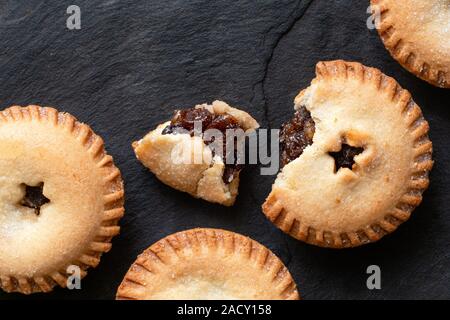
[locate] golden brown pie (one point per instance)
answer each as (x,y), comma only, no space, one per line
(203,173)
(61,198)
(356,158)
(417,34)
(207,264)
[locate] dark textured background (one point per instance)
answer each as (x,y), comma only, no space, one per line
(134,62)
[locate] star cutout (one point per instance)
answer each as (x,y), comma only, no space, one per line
(34,198)
(345,157)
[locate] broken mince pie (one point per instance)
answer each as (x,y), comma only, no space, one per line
(356,159)
(417,34)
(207,264)
(61,198)
(191,153)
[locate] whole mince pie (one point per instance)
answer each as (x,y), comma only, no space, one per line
(61,198)
(417,35)
(356,158)
(198,151)
(207,264)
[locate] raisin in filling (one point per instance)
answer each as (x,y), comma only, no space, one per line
(345,157)
(34,198)
(184,120)
(296,135)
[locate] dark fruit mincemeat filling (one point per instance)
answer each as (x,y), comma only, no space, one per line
(184,120)
(298,133)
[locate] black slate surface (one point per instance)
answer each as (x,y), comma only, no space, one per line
(133,62)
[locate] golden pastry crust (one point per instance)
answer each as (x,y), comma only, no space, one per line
(200,174)
(83,185)
(347,208)
(207,264)
(417,34)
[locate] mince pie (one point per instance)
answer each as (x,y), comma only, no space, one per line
(417,34)
(61,198)
(356,158)
(191,152)
(207,264)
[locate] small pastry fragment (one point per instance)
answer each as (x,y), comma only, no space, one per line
(190,153)
(417,34)
(61,198)
(207,264)
(356,158)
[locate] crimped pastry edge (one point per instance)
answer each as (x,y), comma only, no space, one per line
(408,59)
(207,239)
(418,128)
(113,198)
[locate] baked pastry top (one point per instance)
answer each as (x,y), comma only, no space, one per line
(60,198)
(207,264)
(203,174)
(417,34)
(362,165)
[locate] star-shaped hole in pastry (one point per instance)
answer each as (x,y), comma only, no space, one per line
(34,197)
(345,157)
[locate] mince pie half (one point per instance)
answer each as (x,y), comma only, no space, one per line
(356,158)
(61,198)
(417,34)
(191,152)
(207,264)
